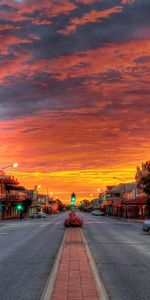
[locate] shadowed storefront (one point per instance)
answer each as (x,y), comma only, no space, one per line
(138,208)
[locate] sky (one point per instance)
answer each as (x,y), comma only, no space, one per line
(74,92)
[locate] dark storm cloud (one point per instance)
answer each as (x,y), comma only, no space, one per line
(143,59)
(22,93)
(111,76)
(51,43)
(29,95)
(6,8)
(117,28)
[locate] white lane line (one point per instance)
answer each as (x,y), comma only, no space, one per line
(25,224)
(103,222)
(95,222)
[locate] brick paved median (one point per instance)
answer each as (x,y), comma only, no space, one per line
(74,280)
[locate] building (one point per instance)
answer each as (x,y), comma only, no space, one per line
(95,203)
(124,201)
(13,197)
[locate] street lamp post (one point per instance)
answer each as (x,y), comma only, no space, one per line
(9,166)
(47,197)
(14,165)
(35,192)
(98,190)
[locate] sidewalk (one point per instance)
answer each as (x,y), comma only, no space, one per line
(74,280)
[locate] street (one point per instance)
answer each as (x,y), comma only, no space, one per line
(28,248)
(122,254)
(27,252)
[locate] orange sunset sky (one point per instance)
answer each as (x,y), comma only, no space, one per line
(74,92)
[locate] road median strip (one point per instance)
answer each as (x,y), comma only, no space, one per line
(74,274)
(47,292)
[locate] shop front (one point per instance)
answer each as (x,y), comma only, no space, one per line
(136,209)
(12,198)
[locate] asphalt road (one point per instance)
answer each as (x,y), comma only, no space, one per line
(27,252)
(122,254)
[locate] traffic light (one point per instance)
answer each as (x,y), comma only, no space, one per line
(19,207)
(73,198)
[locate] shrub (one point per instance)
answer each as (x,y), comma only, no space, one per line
(73,221)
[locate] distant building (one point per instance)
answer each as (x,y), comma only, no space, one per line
(95,203)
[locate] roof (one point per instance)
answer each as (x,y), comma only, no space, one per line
(109,187)
(12,199)
(124,187)
(137,201)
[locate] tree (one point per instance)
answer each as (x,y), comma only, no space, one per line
(143,177)
(145,182)
(84,205)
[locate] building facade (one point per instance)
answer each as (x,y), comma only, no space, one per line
(12,197)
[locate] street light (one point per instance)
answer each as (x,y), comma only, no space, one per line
(35,192)
(98,190)
(12,165)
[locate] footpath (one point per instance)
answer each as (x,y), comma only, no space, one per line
(74,279)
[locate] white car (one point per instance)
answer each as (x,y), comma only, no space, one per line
(146,226)
(38,215)
(97,213)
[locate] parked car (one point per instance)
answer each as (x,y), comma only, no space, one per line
(97,213)
(38,215)
(146,226)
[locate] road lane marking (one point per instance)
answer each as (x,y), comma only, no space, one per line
(108,223)
(25,224)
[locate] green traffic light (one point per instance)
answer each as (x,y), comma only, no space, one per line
(73,199)
(19,207)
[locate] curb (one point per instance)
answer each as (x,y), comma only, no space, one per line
(48,289)
(101,289)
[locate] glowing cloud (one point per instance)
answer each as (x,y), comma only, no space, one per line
(74,92)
